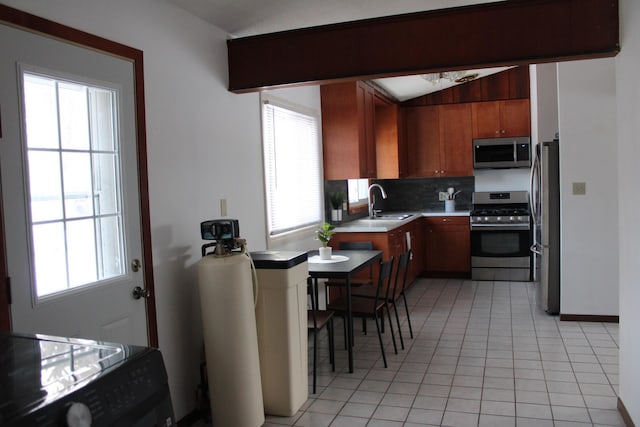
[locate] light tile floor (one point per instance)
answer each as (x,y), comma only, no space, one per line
(482,355)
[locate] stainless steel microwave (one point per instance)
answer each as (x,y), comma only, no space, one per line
(502,153)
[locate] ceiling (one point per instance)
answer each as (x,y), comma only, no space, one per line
(241,18)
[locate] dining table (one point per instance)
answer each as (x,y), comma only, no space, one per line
(343,265)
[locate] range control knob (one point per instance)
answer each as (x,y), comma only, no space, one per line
(78,415)
(512,218)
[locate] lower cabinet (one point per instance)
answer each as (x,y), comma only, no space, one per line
(392,243)
(447,245)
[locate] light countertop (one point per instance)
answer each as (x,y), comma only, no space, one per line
(388,223)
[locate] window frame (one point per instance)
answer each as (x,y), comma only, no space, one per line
(306,231)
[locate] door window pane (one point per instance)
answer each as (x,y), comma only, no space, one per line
(76,173)
(44,186)
(41,111)
(74,120)
(78,242)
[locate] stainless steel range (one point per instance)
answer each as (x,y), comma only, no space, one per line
(501,236)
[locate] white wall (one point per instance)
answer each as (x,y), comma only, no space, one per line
(588,153)
(203,145)
(627,66)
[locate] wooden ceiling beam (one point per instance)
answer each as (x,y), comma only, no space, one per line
(513,32)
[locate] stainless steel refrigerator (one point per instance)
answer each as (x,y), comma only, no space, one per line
(545,213)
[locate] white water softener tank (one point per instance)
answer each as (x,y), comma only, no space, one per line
(230,335)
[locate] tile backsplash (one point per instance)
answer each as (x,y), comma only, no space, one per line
(410,194)
(415,194)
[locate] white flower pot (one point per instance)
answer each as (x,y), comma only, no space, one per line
(336,215)
(325,253)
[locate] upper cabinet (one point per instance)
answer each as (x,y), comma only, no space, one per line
(348,130)
(438,140)
(504,118)
(390,152)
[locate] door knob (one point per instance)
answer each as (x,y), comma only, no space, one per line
(138,293)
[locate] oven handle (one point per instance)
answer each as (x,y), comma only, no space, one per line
(500,227)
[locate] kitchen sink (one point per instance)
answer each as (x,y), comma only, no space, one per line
(395,217)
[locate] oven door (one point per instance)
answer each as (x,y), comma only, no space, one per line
(501,253)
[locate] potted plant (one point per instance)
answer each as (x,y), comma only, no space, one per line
(336,200)
(324,234)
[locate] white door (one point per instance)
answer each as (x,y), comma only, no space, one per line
(68,170)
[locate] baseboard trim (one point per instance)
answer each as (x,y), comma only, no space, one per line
(189,419)
(625,414)
(589,318)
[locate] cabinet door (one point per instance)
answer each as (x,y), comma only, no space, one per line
(515,116)
(422,132)
(389,159)
(340,131)
(486,119)
(366,102)
(455,140)
(348,130)
(447,245)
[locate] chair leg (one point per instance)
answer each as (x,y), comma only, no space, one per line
(344,326)
(364,326)
(384,358)
(406,307)
(395,310)
(393,336)
(315,359)
(332,355)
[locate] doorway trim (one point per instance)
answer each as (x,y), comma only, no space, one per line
(19,19)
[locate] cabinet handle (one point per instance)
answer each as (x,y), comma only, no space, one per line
(503,131)
(445,220)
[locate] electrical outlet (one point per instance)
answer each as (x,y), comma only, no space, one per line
(443,195)
(579,188)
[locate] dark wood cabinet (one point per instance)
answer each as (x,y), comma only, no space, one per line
(392,243)
(456,154)
(505,118)
(438,140)
(390,153)
(447,245)
(422,133)
(348,130)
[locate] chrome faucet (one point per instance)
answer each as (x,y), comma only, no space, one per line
(371,199)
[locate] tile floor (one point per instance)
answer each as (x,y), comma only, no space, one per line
(482,355)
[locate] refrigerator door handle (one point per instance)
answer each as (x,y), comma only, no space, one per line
(535,250)
(534,173)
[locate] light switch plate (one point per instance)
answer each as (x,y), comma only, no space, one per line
(579,188)
(223,207)
(443,195)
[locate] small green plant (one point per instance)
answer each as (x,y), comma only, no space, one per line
(324,233)
(337,199)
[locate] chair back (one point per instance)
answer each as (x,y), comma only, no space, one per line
(366,246)
(386,272)
(401,274)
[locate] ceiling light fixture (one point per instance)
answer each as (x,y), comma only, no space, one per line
(449,76)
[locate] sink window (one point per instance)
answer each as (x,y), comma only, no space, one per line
(357,192)
(293,168)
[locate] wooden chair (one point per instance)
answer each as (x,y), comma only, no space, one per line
(370,308)
(316,321)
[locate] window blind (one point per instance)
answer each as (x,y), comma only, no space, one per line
(293,174)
